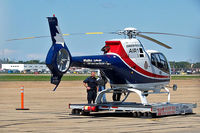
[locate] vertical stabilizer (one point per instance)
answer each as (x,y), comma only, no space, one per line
(58,59)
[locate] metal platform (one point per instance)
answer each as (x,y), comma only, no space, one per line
(137,109)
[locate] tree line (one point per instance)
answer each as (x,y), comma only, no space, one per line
(7,61)
(173,64)
(184,65)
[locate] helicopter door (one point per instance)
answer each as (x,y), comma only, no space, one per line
(153,62)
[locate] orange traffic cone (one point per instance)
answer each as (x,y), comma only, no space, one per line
(22,100)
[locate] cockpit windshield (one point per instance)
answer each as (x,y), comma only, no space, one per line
(159,61)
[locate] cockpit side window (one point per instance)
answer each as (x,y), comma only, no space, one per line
(159,61)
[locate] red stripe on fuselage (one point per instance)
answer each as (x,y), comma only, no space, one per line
(116,47)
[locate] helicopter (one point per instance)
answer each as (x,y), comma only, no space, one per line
(124,62)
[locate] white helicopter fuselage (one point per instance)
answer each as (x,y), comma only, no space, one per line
(149,64)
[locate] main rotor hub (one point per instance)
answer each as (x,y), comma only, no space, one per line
(130,32)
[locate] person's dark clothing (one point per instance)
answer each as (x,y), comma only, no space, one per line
(91,96)
(92,93)
(91,82)
(101,81)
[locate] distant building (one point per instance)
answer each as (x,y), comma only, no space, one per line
(80,70)
(26,67)
(19,67)
(42,68)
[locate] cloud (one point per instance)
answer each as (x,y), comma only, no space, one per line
(107,5)
(7,52)
(36,56)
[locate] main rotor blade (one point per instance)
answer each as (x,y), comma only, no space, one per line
(171,34)
(154,40)
(33,37)
(87,33)
(90,33)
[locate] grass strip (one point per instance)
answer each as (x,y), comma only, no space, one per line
(37,78)
(185,77)
(13,77)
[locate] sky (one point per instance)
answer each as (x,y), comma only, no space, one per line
(25,18)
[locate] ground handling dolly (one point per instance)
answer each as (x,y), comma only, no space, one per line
(143,109)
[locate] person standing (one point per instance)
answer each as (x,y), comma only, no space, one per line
(91,86)
(101,81)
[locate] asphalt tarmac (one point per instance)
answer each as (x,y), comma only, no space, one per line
(49,111)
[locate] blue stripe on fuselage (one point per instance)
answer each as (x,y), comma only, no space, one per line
(114,68)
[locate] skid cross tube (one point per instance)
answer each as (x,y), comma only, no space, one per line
(100,94)
(140,93)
